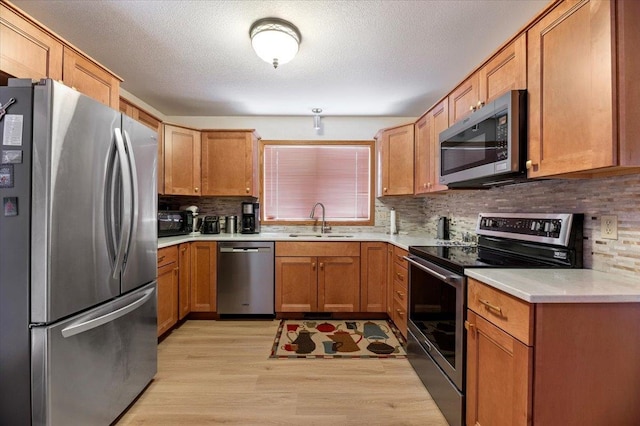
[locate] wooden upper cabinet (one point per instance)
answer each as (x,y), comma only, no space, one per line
(427,148)
(181,161)
(464,99)
(230,163)
(582,115)
(396,161)
(506,70)
(26,51)
(89,78)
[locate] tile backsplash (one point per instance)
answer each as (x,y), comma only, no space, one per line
(618,196)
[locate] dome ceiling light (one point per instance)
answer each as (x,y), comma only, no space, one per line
(275,40)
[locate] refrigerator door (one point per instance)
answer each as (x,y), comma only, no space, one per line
(141,255)
(86,370)
(72,142)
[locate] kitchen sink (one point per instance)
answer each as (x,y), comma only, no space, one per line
(322,235)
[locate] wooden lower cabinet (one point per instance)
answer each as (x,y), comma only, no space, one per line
(399,289)
(315,277)
(373,277)
(203,276)
(184,283)
(572,364)
(167,288)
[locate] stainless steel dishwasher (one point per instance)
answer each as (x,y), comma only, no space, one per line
(246,278)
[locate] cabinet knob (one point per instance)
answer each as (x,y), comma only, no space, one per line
(480,104)
(530,164)
(384,189)
(321,266)
(472,108)
(469,326)
(196,189)
(399,312)
(399,293)
(247,190)
(313,266)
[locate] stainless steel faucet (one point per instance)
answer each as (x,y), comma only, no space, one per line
(324,224)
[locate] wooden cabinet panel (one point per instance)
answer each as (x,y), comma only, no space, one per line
(305,248)
(570,81)
(184,282)
(296,284)
(499,369)
(395,161)
(89,78)
(373,277)
(439,116)
(203,276)
(505,71)
(390,280)
(181,161)
(230,163)
(26,51)
(464,99)
(167,288)
(423,139)
(339,284)
(507,312)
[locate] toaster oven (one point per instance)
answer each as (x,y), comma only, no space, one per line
(174,222)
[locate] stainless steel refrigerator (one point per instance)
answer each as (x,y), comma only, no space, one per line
(78,248)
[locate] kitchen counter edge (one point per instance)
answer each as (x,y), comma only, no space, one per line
(560,285)
(402,241)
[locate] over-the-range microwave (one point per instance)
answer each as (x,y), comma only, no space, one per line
(489,147)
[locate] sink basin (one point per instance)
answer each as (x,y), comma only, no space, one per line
(322,235)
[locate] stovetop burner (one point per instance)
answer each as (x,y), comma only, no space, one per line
(512,241)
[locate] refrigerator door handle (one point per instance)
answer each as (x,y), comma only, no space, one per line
(134,190)
(125,230)
(75,329)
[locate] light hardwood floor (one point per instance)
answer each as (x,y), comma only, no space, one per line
(218,372)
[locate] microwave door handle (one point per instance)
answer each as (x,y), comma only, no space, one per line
(447,279)
(134,191)
(125,229)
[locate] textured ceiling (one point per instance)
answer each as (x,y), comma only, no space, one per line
(357,58)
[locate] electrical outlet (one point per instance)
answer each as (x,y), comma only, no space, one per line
(609,227)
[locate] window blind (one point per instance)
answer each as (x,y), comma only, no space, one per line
(298,176)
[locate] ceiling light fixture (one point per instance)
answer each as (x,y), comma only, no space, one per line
(275,40)
(316,118)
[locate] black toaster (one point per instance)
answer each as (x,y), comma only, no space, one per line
(210,225)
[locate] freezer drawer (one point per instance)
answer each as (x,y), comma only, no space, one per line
(86,370)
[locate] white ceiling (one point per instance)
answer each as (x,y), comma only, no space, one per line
(357,58)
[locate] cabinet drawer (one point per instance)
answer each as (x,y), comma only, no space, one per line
(400,275)
(303,248)
(167,255)
(505,311)
(398,256)
(400,292)
(399,316)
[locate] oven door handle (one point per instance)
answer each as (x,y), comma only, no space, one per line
(430,271)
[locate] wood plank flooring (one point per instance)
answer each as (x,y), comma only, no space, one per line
(218,372)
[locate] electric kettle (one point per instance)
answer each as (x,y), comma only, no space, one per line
(210,225)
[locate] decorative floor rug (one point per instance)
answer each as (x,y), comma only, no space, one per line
(337,339)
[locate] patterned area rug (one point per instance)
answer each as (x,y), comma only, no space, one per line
(337,339)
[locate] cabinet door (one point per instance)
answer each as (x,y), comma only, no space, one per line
(464,99)
(181,161)
(507,70)
(184,283)
(373,277)
(87,77)
(423,173)
(439,117)
(339,284)
(296,284)
(397,161)
(203,276)
(229,164)
(390,280)
(167,297)
(499,376)
(26,50)
(570,75)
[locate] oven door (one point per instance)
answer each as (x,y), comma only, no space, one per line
(436,315)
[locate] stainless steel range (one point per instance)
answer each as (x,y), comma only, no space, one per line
(437,290)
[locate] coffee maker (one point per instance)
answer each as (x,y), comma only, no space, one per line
(250,220)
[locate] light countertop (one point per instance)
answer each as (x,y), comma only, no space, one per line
(400,240)
(561,285)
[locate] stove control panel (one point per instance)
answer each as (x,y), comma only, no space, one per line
(541,227)
(547,228)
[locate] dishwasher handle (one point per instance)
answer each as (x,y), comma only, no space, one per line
(245,249)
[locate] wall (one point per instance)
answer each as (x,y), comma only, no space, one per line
(419,215)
